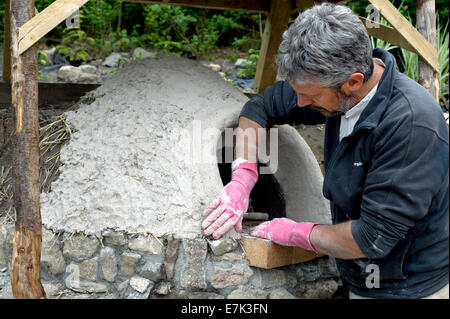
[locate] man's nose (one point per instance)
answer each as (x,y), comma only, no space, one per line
(302,101)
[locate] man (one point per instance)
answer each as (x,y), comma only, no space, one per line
(386,159)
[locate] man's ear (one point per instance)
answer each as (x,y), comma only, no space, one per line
(353,84)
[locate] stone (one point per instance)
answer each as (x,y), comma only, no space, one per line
(328,268)
(84,286)
(6,235)
(52,289)
(89,269)
(47,56)
(132,293)
(72,74)
(114,238)
(192,274)
(317,290)
(163,288)
(171,256)
(51,256)
(112,60)
(214,67)
(139,284)
(88,78)
(79,247)
(146,244)
(242,63)
(128,263)
(152,268)
(281,293)
(222,245)
(140,53)
(108,263)
(198,295)
(245,292)
(87,68)
(271,278)
(237,274)
(122,288)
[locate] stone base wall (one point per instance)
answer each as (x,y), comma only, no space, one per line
(135,266)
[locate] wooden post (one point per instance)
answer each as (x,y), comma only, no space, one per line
(7,44)
(277,22)
(426,25)
(26,255)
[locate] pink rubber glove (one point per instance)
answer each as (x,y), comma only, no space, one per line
(227,210)
(286,232)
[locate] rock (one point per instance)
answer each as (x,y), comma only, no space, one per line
(132,293)
(47,56)
(163,288)
(140,53)
(87,68)
(112,60)
(198,295)
(193,269)
(245,292)
(152,268)
(51,256)
(79,247)
(128,263)
(139,284)
(171,256)
(6,235)
(214,67)
(281,293)
(122,288)
(224,277)
(328,268)
(146,244)
(89,269)
(242,63)
(108,262)
(317,290)
(268,278)
(114,238)
(72,74)
(222,245)
(86,286)
(52,289)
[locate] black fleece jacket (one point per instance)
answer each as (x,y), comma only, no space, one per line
(390,176)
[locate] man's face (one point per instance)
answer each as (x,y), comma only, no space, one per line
(329,102)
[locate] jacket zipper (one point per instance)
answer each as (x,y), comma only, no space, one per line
(336,151)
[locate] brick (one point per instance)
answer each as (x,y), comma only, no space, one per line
(266,254)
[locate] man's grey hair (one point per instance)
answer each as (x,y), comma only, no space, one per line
(325,45)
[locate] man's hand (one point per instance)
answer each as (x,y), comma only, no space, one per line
(228,209)
(286,232)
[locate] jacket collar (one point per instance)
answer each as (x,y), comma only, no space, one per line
(372,114)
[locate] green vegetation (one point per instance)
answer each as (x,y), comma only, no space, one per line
(108,25)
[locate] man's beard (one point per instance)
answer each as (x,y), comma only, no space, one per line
(346,102)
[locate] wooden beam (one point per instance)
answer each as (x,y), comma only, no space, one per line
(261,6)
(26,254)
(45,21)
(386,34)
(277,22)
(7,43)
(426,24)
(407,30)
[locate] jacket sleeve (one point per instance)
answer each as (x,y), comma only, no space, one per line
(409,166)
(277,105)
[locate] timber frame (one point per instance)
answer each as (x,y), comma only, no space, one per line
(280,13)
(24,27)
